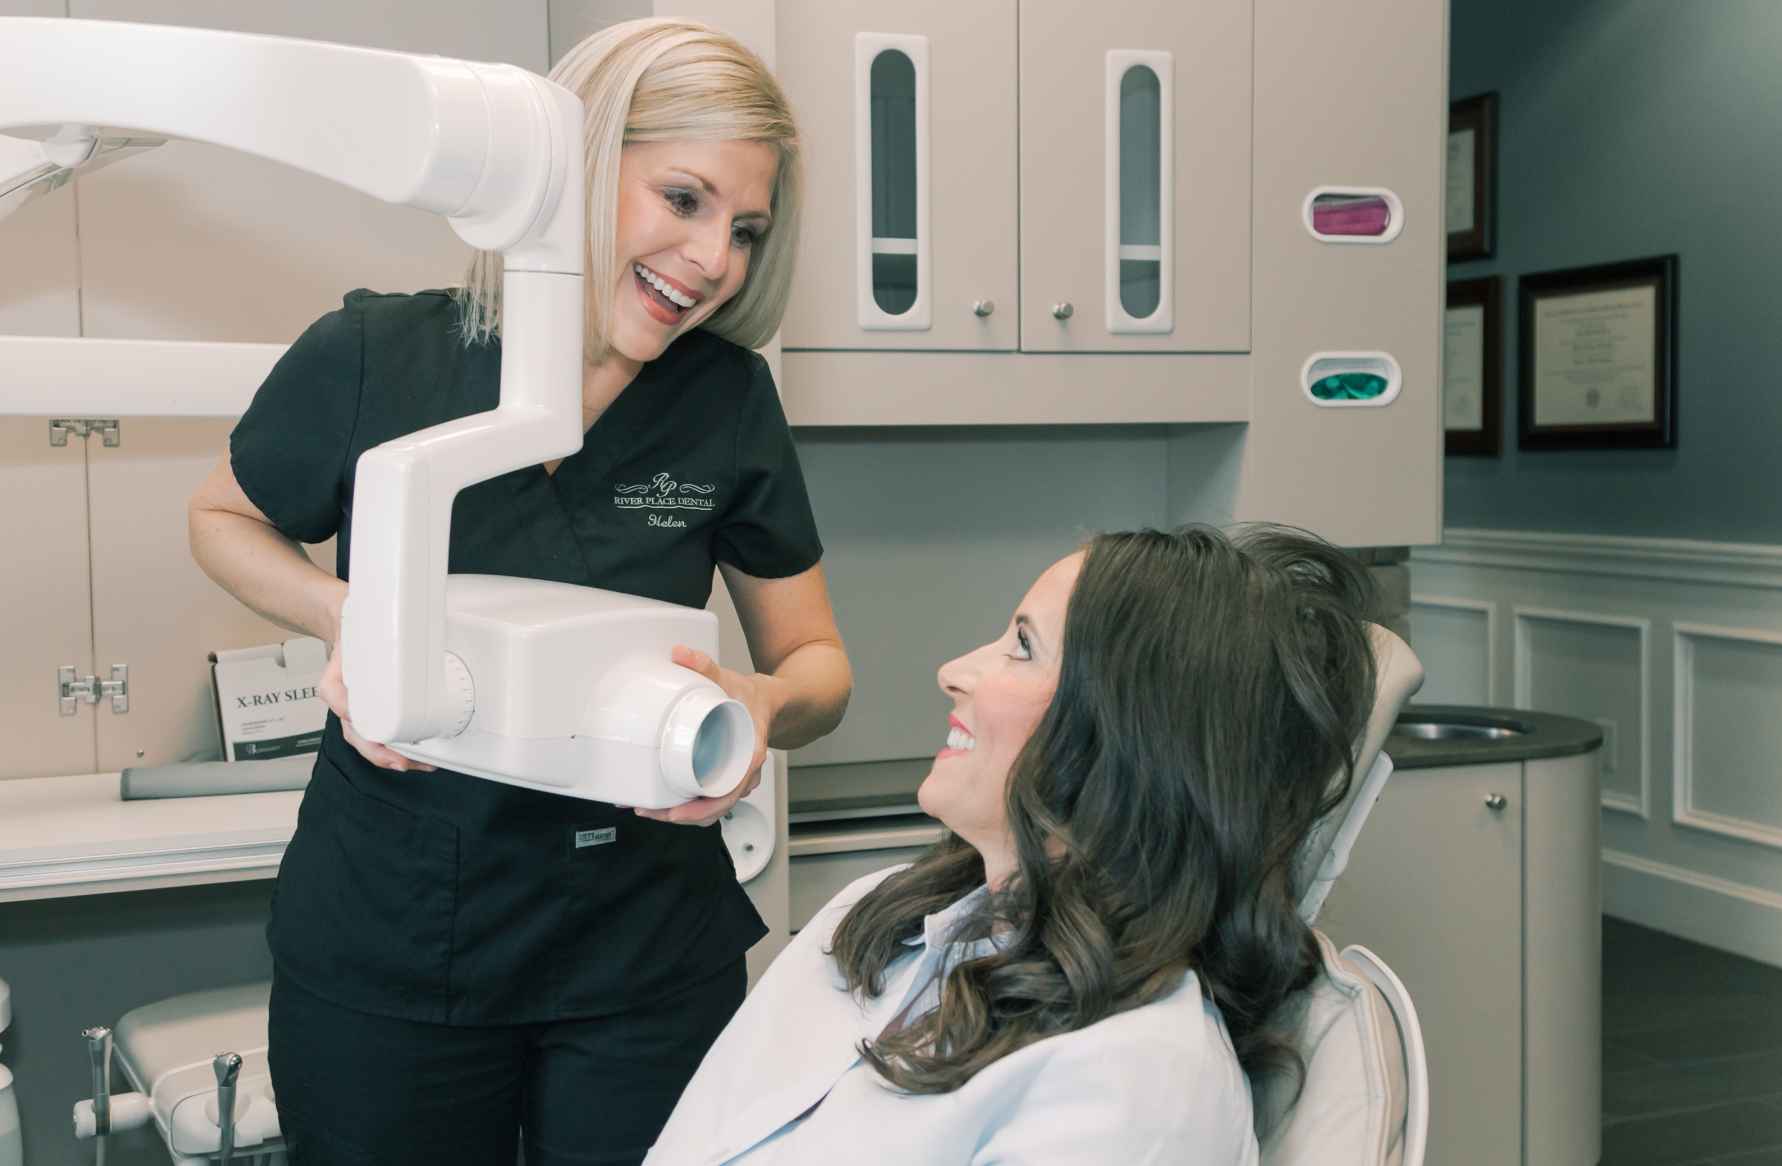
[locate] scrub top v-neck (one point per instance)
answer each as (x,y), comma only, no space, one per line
(446,898)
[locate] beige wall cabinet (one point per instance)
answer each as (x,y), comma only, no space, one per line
(929,162)
(1022,214)
(1135,177)
(104,578)
(45,612)
(1124,164)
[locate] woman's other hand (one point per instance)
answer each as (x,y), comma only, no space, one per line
(334,695)
(758,694)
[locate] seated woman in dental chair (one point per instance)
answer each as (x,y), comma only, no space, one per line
(1081,971)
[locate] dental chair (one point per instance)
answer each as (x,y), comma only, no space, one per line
(1364,1100)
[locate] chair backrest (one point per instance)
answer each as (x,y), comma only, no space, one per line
(1365,1096)
(1397,674)
(1410,1035)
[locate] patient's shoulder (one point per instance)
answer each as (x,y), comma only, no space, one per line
(1129,1086)
(862,886)
(830,914)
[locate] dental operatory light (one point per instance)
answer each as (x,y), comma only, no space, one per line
(552,686)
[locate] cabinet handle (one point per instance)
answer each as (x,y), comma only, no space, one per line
(1062,311)
(1496,802)
(983,307)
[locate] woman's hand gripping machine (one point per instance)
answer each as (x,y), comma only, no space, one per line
(555,687)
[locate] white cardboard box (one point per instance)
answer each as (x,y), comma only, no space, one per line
(267,699)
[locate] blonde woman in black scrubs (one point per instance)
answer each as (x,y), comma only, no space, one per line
(451,971)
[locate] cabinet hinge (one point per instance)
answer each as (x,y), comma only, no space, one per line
(71,689)
(106,427)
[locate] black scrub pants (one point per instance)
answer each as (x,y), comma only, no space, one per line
(361,1090)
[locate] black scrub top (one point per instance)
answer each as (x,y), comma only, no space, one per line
(445,898)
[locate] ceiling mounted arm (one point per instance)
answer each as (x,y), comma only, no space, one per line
(495,149)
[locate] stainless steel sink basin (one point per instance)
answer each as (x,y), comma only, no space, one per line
(1426,728)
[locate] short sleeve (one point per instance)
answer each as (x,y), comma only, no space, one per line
(768,530)
(289,449)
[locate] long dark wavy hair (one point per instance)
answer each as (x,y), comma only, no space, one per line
(1211,690)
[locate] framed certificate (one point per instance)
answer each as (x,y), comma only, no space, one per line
(1598,360)
(1472,177)
(1472,373)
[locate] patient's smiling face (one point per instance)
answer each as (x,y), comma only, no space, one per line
(999,694)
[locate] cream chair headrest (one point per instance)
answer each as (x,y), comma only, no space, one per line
(1397,674)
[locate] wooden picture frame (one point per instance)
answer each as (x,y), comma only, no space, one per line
(1597,365)
(1471,206)
(1472,368)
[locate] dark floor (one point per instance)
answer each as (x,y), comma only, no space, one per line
(1692,1053)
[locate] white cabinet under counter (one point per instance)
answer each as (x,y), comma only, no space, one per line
(1477,878)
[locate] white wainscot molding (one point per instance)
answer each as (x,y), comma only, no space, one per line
(1677,645)
(1720,912)
(1726,772)
(1599,675)
(1457,642)
(1673,559)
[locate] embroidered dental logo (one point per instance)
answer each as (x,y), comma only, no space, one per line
(664,493)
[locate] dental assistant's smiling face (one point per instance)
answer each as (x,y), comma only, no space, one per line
(999,694)
(690,214)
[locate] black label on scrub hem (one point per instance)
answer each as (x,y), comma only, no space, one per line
(600,837)
(278,747)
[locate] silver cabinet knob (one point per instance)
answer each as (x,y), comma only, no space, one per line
(1496,801)
(1062,311)
(983,307)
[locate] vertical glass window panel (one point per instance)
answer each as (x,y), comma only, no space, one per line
(894,262)
(1141,191)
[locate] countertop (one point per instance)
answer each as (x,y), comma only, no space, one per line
(75,836)
(1544,735)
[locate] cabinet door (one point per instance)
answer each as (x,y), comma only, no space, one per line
(1135,177)
(45,607)
(907,112)
(1435,889)
(153,609)
(45,611)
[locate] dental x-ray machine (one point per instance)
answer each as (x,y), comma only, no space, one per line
(551,686)
(555,687)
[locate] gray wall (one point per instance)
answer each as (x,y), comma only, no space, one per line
(1630,128)
(932,536)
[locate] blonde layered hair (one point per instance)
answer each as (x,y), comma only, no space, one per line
(661,81)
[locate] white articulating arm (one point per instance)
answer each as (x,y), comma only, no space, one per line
(492,147)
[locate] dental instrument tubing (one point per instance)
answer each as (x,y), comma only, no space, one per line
(495,149)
